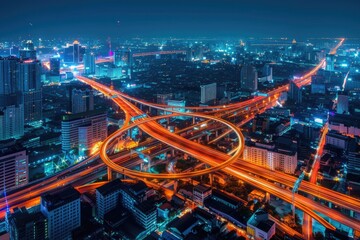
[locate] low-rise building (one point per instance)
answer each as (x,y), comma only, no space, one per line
(259,226)
(200,193)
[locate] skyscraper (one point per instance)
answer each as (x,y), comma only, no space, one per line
(295,92)
(208,92)
(342,104)
(55,66)
(82,100)
(29,78)
(73,53)
(11,99)
(89,63)
(330,61)
(123,57)
(28,52)
(248,78)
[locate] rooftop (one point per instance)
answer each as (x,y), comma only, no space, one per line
(226,197)
(76,116)
(183,223)
(57,199)
(347,120)
(109,187)
(146,207)
(201,188)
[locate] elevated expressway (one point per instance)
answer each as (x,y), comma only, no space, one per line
(301,202)
(214,158)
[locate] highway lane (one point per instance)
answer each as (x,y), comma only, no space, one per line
(284,88)
(281,195)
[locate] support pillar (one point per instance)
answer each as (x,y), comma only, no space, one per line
(109,173)
(267,197)
(217,133)
(175,185)
(193,120)
(172,152)
(211,177)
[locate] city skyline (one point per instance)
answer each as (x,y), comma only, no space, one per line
(179,120)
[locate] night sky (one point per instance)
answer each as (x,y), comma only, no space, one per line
(185,18)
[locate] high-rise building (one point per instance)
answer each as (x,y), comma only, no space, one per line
(55,66)
(353,156)
(295,92)
(9,73)
(267,70)
(342,106)
(62,211)
(11,99)
(30,78)
(123,57)
(89,63)
(11,121)
(317,84)
(189,54)
(13,167)
(28,52)
(73,53)
(82,100)
(208,92)
(82,130)
(107,197)
(27,225)
(270,157)
(248,78)
(330,62)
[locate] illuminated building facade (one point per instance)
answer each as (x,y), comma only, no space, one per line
(248,78)
(14,168)
(82,130)
(82,100)
(11,99)
(208,93)
(29,77)
(62,211)
(89,63)
(73,53)
(270,157)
